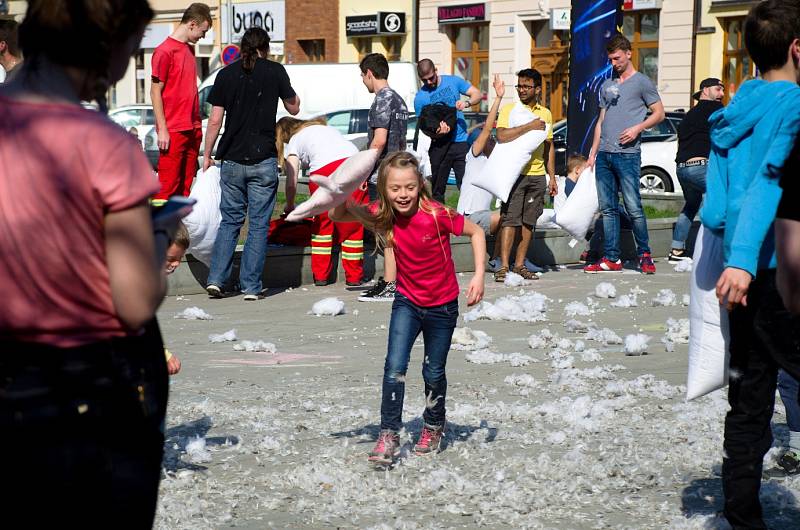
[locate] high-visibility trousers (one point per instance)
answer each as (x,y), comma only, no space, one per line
(325,233)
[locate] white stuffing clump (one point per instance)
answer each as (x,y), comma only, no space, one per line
(528,307)
(536,342)
(591,355)
(196,449)
(665,297)
(525,380)
(573,309)
(638,290)
(328,307)
(255,346)
(576,326)
(636,344)
(684,266)
(565,344)
(605,290)
(685,300)
(677,333)
(489,357)
(194,313)
(228,336)
(514,280)
(604,335)
(579,346)
(469,339)
(626,300)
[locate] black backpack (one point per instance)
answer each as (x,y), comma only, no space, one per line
(430,117)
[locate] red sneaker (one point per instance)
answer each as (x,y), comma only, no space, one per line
(604,265)
(646,264)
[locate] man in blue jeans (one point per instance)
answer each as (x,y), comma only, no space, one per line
(694,145)
(247,93)
(616,154)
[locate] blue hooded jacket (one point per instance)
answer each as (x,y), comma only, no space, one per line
(750,141)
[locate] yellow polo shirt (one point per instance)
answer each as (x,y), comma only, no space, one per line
(536,166)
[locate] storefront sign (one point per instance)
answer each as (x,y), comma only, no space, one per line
(381,23)
(270,16)
(560,18)
(635,5)
(462,13)
(391,23)
(361,25)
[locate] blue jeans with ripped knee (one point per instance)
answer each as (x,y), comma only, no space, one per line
(436,325)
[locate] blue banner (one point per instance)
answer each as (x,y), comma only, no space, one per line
(593,23)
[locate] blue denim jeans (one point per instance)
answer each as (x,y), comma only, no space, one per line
(790,395)
(615,173)
(436,324)
(251,190)
(693,182)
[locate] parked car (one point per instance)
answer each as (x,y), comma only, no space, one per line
(659,147)
(138,117)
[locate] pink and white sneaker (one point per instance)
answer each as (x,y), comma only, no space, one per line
(386,449)
(430,440)
(604,265)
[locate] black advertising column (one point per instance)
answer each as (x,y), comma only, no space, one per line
(593,23)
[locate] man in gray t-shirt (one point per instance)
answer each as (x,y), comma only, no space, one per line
(616,156)
(388,115)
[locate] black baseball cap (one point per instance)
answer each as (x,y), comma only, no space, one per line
(705,83)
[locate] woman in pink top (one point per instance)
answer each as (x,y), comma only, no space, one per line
(82,384)
(418,229)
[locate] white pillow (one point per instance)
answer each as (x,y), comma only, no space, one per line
(709,332)
(203,222)
(577,213)
(335,190)
(507,159)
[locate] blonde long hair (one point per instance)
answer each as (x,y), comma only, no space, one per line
(383,220)
(288,127)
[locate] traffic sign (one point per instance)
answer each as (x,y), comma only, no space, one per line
(230,53)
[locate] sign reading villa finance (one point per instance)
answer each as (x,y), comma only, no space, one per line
(462,13)
(381,23)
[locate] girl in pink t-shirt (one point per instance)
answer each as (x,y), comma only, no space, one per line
(418,229)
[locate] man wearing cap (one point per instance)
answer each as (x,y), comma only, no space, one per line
(694,145)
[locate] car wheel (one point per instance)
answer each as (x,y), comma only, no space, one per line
(654,180)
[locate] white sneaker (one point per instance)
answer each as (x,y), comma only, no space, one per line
(213,291)
(250,297)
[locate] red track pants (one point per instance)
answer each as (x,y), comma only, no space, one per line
(178,165)
(325,233)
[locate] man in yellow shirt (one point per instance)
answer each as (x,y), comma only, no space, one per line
(526,200)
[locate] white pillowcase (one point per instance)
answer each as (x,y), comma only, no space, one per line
(507,159)
(203,222)
(577,213)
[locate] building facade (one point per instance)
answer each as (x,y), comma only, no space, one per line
(312,27)
(719,48)
(477,40)
(376,26)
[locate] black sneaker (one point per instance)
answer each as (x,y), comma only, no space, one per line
(675,257)
(382,291)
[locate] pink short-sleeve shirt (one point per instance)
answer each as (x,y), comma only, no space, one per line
(426,273)
(62,168)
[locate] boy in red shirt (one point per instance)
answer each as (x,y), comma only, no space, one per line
(176,105)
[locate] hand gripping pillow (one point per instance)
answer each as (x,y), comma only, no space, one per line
(203,222)
(502,169)
(709,334)
(577,213)
(335,190)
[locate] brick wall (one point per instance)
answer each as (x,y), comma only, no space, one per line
(311,20)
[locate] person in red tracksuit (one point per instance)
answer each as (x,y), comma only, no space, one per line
(176,105)
(313,145)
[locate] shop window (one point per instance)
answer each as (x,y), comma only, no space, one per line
(737,67)
(314,49)
(641,28)
(392,45)
(471,57)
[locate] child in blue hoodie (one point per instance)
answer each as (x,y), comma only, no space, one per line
(751,140)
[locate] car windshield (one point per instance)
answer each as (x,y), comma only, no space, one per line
(127,118)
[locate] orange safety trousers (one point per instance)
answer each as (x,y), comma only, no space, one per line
(325,233)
